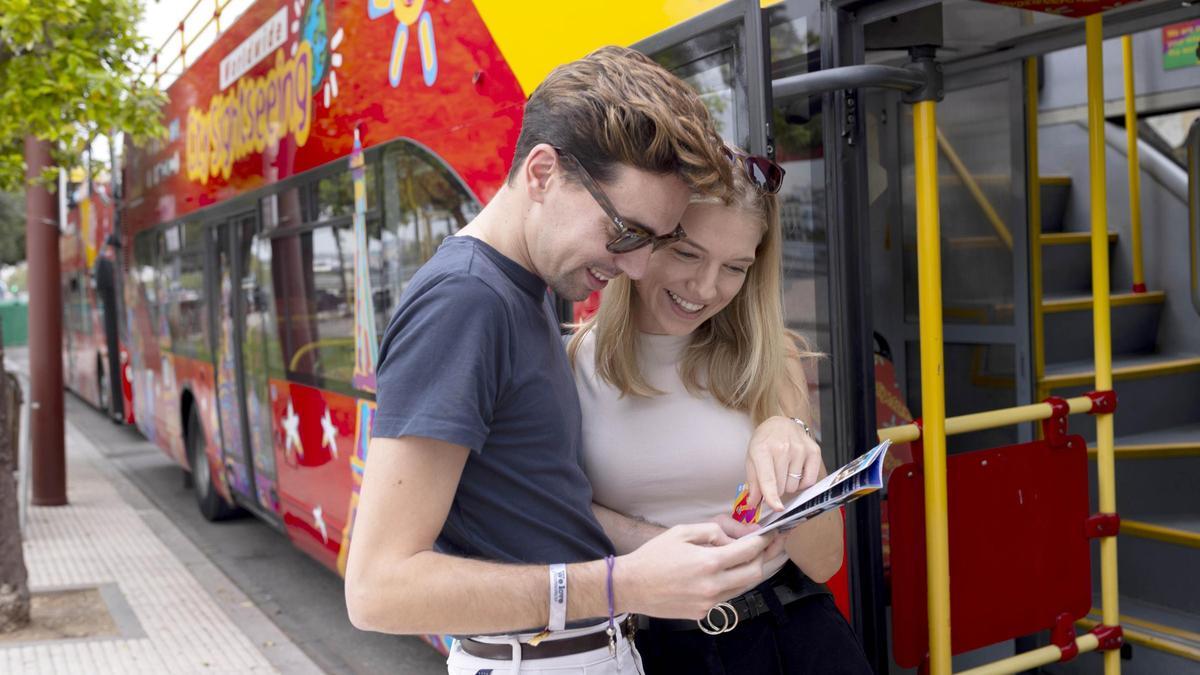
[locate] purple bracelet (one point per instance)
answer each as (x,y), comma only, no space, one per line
(611,561)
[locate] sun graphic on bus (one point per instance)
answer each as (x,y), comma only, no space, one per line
(407,13)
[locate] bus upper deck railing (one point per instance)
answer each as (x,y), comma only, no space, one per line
(184,43)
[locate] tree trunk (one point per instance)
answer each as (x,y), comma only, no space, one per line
(48,468)
(14,579)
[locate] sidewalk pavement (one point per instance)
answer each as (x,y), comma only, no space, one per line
(175,611)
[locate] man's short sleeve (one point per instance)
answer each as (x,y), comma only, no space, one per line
(443,363)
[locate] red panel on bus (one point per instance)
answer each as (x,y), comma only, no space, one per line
(1019,553)
(1076,9)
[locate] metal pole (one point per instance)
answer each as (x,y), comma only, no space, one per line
(933,391)
(1101,313)
(1135,179)
(1034,190)
(49,467)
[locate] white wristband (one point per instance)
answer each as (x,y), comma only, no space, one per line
(558,597)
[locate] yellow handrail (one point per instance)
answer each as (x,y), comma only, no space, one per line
(317,344)
(1102,328)
(964,174)
(933,385)
(1034,188)
(992,419)
(1150,640)
(1135,180)
(1034,658)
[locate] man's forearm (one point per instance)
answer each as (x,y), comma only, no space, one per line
(436,593)
(625,532)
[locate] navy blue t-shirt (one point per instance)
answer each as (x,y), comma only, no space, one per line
(473,357)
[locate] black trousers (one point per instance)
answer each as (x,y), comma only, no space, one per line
(806,636)
(116,397)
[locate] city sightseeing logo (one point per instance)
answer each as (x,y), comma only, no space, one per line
(255,114)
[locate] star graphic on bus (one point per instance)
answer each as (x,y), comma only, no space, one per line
(291,429)
(408,12)
(329,433)
(318,515)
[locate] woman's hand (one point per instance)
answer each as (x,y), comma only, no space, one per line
(782,459)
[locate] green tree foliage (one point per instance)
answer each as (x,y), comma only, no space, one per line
(67,74)
(12,228)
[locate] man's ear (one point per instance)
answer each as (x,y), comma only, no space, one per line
(538,169)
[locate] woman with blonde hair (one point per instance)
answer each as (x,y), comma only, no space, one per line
(675,372)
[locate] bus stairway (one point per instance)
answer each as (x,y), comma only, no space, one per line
(1157,432)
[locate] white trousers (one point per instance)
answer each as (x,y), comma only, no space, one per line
(595,662)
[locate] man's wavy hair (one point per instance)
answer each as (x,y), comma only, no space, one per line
(616,106)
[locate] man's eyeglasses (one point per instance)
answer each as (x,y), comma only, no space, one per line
(630,235)
(763,173)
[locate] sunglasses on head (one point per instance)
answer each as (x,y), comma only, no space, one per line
(630,235)
(763,173)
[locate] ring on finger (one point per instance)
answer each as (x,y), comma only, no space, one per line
(797,476)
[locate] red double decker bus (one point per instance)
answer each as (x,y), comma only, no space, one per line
(317,154)
(90,219)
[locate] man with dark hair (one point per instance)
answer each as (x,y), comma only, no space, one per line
(473,496)
(106,291)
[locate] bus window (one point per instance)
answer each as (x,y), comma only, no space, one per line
(281,209)
(712,63)
(145,262)
(423,203)
(316,305)
(333,196)
(185,299)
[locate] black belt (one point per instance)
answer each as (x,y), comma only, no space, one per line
(788,586)
(548,648)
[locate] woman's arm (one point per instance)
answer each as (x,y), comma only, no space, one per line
(816,545)
(779,450)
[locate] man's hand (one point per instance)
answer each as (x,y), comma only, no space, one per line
(734,529)
(683,572)
(773,557)
(779,451)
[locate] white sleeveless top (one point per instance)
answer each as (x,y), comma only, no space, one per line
(670,459)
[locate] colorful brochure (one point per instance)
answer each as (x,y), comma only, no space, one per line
(860,477)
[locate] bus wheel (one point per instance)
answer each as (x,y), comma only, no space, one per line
(212,506)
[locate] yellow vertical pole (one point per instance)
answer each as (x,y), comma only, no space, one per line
(1034,188)
(1135,181)
(933,392)
(1101,314)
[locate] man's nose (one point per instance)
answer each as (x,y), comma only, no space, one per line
(634,263)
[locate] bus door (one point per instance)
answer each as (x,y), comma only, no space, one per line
(735,56)
(240,379)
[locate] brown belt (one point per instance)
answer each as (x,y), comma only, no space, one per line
(547,649)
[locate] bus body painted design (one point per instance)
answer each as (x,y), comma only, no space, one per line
(316,156)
